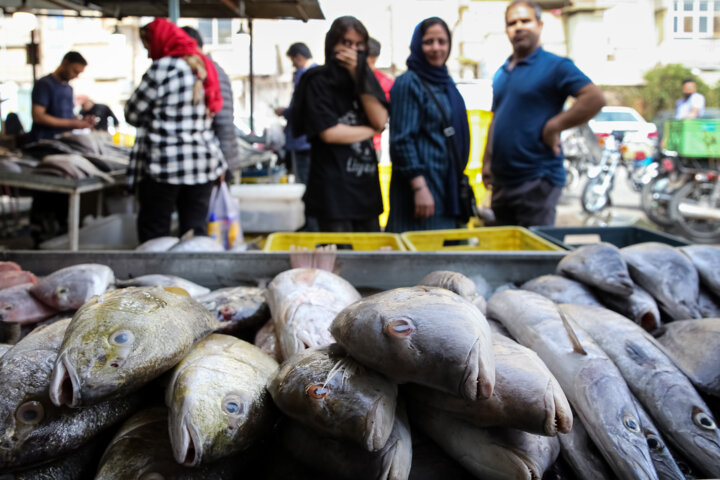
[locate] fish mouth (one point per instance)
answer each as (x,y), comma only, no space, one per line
(375,438)
(648,321)
(478,379)
(64,384)
(559,415)
(187,449)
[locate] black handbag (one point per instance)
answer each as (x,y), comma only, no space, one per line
(466,196)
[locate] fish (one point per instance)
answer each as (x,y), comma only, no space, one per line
(237,308)
(17,305)
(694,346)
(152,280)
(708,303)
(425,335)
(4,347)
(303,302)
(344,460)
(32,429)
(497,453)
(598,265)
(561,290)
(585,373)
(141,450)
(581,454)
(266,340)
(706,259)
(9,266)
(10,278)
(218,400)
(456,283)
(197,244)
(159,244)
(663,460)
(526,396)
(119,341)
(70,287)
(430,462)
(331,393)
(667,275)
(74,165)
(662,388)
(639,307)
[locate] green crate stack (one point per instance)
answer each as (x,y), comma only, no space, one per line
(694,138)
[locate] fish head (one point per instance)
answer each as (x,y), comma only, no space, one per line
(110,346)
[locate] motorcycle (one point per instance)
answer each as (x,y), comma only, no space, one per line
(695,206)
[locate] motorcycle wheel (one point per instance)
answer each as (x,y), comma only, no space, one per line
(594,196)
(655,200)
(696,229)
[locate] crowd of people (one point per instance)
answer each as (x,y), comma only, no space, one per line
(186,140)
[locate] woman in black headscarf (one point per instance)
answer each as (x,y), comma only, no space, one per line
(340,106)
(427,165)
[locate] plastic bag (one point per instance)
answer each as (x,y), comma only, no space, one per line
(224,217)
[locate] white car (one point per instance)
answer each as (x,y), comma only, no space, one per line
(627,120)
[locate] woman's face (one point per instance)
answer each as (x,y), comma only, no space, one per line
(351,39)
(436,45)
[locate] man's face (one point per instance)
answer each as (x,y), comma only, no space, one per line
(69,71)
(523,29)
(298,61)
(689,88)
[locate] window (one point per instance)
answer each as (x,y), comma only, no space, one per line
(216,31)
(696,18)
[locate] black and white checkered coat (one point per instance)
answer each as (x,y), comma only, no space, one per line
(175,142)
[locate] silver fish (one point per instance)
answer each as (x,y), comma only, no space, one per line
(581,454)
(218,401)
(663,460)
(266,340)
(640,307)
(667,275)
(661,387)
(561,290)
(526,396)
(456,283)
(694,346)
(424,335)
(193,289)
(303,302)
(70,287)
(706,259)
(4,347)
(237,308)
(120,341)
(331,393)
(497,453)
(17,305)
(159,244)
(32,429)
(598,265)
(585,373)
(708,304)
(197,244)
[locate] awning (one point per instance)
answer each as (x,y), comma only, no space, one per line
(297,9)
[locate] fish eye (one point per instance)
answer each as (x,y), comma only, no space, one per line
(631,424)
(654,443)
(400,328)
(703,420)
(7,307)
(317,391)
(62,290)
(122,338)
(30,413)
(232,406)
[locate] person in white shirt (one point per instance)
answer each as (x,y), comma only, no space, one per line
(692,104)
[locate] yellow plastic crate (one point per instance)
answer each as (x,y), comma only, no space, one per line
(282,241)
(486,238)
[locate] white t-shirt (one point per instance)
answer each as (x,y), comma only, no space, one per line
(683,106)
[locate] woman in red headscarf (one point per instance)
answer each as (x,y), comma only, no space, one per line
(176,157)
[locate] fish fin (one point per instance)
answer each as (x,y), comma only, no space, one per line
(577,347)
(187,235)
(177,291)
(636,354)
(300,257)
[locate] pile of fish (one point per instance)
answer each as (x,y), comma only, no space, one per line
(607,369)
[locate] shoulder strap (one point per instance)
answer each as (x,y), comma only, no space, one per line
(448,130)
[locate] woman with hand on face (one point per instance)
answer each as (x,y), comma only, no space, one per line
(424,188)
(340,106)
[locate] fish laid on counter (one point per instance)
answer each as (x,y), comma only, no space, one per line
(561,290)
(639,307)
(599,265)
(70,287)
(706,259)
(10,278)
(197,244)
(237,308)
(585,373)
(266,340)
(19,306)
(497,453)
(581,454)
(331,393)
(159,244)
(667,275)
(119,341)
(303,303)
(218,401)
(695,347)
(665,465)
(32,429)
(708,303)
(526,396)
(425,335)
(457,283)
(153,280)
(664,391)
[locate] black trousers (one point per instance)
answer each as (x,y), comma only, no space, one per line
(158,200)
(369,225)
(527,204)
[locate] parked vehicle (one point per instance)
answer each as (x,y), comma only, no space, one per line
(695,206)
(640,135)
(581,150)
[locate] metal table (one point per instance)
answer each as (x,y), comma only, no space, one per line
(72,187)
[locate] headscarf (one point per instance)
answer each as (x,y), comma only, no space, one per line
(417,62)
(166,39)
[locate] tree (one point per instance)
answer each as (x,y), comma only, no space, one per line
(663,87)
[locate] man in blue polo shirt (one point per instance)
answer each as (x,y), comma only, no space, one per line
(523,161)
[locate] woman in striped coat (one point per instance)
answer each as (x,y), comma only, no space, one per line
(424,186)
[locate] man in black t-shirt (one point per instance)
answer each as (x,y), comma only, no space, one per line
(100,111)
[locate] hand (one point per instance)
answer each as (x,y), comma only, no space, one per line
(279,111)
(551,136)
(486,175)
(85,122)
(347,58)
(424,203)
